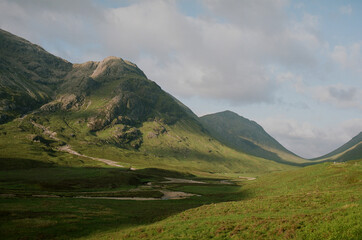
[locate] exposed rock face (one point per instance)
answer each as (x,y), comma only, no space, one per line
(131,136)
(157,131)
(125,137)
(107,115)
(113,67)
(64,102)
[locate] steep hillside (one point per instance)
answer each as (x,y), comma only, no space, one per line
(247,136)
(29,76)
(352,153)
(348,151)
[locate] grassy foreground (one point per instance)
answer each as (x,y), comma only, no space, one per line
(316,202)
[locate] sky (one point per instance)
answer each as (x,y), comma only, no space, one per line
(294,67)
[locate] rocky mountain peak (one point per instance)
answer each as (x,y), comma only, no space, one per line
(114,66)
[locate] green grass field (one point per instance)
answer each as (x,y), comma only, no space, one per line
(316,202)
(184,147)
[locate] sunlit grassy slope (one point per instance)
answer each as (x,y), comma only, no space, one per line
(247,136)
(316,202)
(182,147)
(351,150)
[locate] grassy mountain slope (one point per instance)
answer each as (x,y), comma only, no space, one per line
(107,109)
(317,202)
(247,136)
(348,151)
(353,153)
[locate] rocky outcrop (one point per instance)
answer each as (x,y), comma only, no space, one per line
(64,102)
(158,130)
(129,136)
(125,137)
(114,67)
(125,108)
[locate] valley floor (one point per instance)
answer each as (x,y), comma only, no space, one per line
(316,202)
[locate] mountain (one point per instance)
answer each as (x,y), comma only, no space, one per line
(247,136)
(29,76)
(103,110)
(351,150)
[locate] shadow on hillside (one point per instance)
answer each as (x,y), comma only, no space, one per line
(216,157)
(22,163)
(72,217)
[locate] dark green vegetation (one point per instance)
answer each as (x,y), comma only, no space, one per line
(316,202)
(247,136)
(72,135)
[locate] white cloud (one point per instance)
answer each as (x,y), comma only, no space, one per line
(223,54)
(57,25)
(295,80)
(305,139)
(348,57)
(338,95)
(299,5)
(346,10)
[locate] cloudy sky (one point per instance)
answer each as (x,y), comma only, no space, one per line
(295,67)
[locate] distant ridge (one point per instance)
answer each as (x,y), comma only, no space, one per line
(348,151)
(247,136)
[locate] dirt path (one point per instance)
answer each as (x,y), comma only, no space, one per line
(180,180)
(226,182)
(120,198)
(247,178)
(68,149)
(89,103)
(45,196)
(168,195)
(46,131)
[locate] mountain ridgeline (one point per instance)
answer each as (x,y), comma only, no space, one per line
(31,77)
(352,150)
(110,109)
(246,136)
